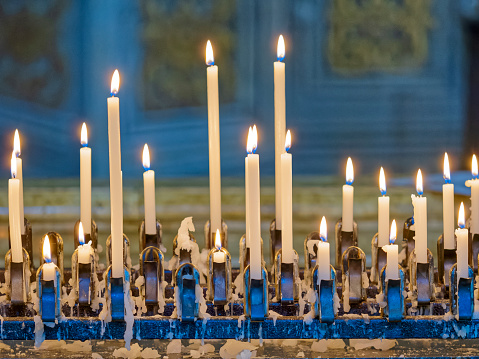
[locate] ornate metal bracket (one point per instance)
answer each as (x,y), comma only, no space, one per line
(126,252)
(115,293)
(462,294)
(393,290)
(150,240)
(325,291)
(152,269)
(92,236)
(18,279)
(275,240)
(49,292)
(422,278)
(256,295)
(287,287)
(210,237)
(378,259)
(446,258)
(187,278)
(353,267)
(344,240)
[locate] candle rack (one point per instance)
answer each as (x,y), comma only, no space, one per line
(92,236)
(344,240)
(152,269)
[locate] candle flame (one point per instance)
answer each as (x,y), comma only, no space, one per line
(81,235)
(115,83)
(419,186)
(461,221)
(447,171)
(218,239)
(474,170)
(146,157)
(280,50)
(393,233)
(287,141)
(84,135)
(323,230)
(349,172)
(209,58)
(16,144)
(382,182)
(252,142)
(47,255)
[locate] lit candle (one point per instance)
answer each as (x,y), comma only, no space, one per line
(85,181)
(219,256)
(448,207)
(149,193)
(14,213)
(323,256)
(348,198)
(462,235)
(213,140)
(84,249)
(420,221)
(247,205)
(254,205)
(279,124)
(48,268)
(287,255)
(18,152)
(392,271)
(474,184)
(116,195)
(383,211)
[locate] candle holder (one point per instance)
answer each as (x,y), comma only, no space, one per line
(353,269)
(256,295)
(150,240)
(17,278)
(408,243)
(378,259)
(462,294)
(27,243)
(310,254)
(344,240)
(219,278)
(286,279)
(446,258)
(325,292)
(115,295)
(422,279)
(473,250)
(56,247)
(153,270)
(83,276)
(49,293)
(244,255)
(126,251)
(393,290)
(187,278)
(184,255)
(275,240)
(92,236)
(210,237)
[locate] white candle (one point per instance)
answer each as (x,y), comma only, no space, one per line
(48,268)
(116,195)
(14,214)
(348,198)
(448,207)
(149,193)
(219,256)
(474,184)
(85,181)
(16,149)
(392,271)
(462,235)
(84,249)
(254,206)
(213,140)
(246,186)
(420,221)
(279,124)
(287,255)
(323,256)
(383,212)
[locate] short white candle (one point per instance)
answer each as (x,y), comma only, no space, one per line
(14,213)
(474,184)
(420,221)
(18,152)
(149,193)
(213,140)
(287,255)
(84,249)
(85,181)
(219,256)
(392,271)
(383,211)
(448,207)
(279,124)
(323,256)
(348,198)
(462,235)
(48,268)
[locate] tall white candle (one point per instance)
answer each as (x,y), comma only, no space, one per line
(448,207)
(474,184)
(213,140)
(279,124)
(14,213)
(219,256)
(392,271)
(84,249)
(287,255)
(247,205)
(348,198)
(116,195)
(323,256)
(420,221)
(85,181)
(48,268)
(462,235)
(149,193)
(18,152)
(383,212)
(254,206)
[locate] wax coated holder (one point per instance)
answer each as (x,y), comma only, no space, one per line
(56,248)
(115,295)
(446,258)
(92,236)
(184,255)
(49,294)
(344,240)
(325,291)
(17,278)
(378,259)
(473,250)
(187,278)
(153,271)
(353,268)
(421,282)
(310,254)
(219,278)
(150,240)
(274,240)
(462,294)
(256,295)
(83,275)
(210,237)
(408,244)
(126,251)
(393,290)
(286,278)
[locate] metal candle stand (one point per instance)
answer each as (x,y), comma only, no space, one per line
(56,248)
(275,240)
(219,278)
(92,236)
(17,278)
(256,295)
(210,237)
(286,279)
(184,255)
(462,294)
(344,240)
(84,275)
(49,293)
(115,294)
(353,268)
(422,279)
(310,254)
(186,279)
(408,243)
(393,290)
(325,291)
(150,240)
(153,271)
(126,251)
(378,259)
(446,258)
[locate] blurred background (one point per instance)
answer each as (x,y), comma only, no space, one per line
(390,83)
